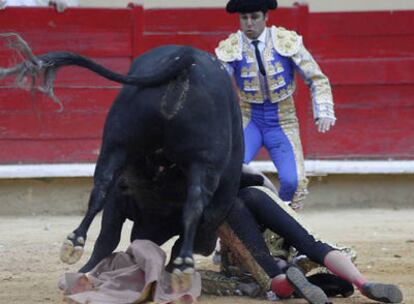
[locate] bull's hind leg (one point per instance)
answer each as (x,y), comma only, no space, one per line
(109,164)
(201,185)
(113,219)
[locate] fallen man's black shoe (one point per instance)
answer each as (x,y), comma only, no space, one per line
(385,293)
(312,293)
(332,285)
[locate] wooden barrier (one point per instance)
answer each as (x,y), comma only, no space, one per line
(32,131)
(369,58)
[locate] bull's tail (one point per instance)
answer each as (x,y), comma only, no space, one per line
(158,74)
(56,60)
(148,70)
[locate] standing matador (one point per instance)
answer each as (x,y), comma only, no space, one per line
(263,61)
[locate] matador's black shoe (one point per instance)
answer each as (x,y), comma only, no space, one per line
(332,285)
(312,293)
(385,293)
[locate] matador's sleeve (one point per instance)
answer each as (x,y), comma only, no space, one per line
(290,44)
(321,92)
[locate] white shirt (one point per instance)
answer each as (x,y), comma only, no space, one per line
(262,41)
(261,46)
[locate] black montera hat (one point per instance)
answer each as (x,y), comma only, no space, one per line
(250,6)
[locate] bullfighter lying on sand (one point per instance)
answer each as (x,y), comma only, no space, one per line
(258,208)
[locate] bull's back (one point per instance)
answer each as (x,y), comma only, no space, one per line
(193,109)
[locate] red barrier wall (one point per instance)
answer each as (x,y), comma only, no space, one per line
(369,58)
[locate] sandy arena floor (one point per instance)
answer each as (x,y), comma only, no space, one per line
(30,265)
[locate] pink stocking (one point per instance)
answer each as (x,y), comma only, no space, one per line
(343,267)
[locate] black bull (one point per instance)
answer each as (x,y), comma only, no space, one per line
(178,107)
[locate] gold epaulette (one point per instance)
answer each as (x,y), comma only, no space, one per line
(230,49)
(287,43)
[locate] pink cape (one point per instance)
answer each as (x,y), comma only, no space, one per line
(134,276)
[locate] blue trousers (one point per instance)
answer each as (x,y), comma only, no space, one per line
(275,126)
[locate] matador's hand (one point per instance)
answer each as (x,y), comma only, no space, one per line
(297,206)
(325,123)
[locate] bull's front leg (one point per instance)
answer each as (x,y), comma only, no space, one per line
(105,173)
(201,186)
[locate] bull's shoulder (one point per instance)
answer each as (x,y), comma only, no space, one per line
(230,49)
(286,42)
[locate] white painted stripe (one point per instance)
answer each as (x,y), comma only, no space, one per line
(47,170)
(324,167)
(313,167)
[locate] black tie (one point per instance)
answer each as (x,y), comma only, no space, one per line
(259,57)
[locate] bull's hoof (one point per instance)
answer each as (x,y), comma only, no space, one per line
(181,281)
(185,265)
(72,250)
(182,274)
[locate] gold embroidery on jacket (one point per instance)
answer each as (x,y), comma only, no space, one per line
(284,93)
(249,72)
(253,97)
(250,56)
(287,43)
(246,110)
(273,69)
(274,84)
(229,49)
(252,85)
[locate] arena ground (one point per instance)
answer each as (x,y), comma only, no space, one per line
(30,265)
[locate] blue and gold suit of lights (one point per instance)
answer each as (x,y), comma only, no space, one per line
(269,115)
